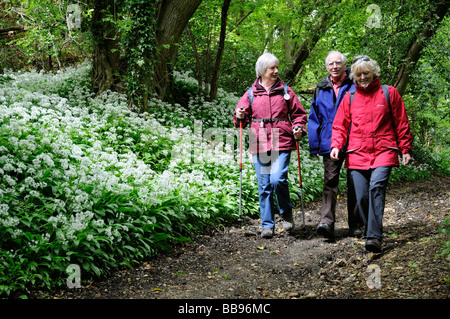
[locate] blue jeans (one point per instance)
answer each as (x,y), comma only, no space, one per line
(272,174)
(370,188)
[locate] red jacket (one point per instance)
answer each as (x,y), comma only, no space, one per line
(377,134)
(271,135)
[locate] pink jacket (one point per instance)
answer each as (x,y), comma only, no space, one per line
(275,133)
(377,133)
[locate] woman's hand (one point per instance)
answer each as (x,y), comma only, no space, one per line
(334,155)
(240,113)
(406,158)
(298,133)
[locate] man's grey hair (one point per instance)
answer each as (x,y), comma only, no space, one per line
(263,62)
(343,57)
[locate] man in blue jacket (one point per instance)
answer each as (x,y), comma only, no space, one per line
(327,97)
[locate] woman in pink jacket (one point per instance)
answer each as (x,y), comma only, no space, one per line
(379,131)
(272,109)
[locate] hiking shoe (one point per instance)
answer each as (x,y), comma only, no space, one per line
(325,230)
(267,233)
(373,245)
(288,221)
(355,232)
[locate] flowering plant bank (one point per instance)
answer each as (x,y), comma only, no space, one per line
(87,182)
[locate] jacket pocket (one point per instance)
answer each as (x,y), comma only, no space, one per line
(354,144)
(387,142)
(353,149)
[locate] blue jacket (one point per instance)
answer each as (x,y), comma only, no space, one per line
(323,110)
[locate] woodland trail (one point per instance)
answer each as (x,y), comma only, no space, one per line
(236,263)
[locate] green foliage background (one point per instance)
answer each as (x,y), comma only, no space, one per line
(93,181)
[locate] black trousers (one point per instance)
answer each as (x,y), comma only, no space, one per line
(330,191)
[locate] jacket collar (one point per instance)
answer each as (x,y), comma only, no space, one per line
(326,83)
(369,88)
(278,85)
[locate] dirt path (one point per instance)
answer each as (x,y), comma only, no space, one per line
(235,263)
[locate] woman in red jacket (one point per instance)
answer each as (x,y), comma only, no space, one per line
(379,131)
(272,110)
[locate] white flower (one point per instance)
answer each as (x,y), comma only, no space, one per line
(4,208)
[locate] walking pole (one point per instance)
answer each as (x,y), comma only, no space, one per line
(300,177)
(240,167)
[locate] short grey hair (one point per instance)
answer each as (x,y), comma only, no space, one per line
(263,62)
(343,57)
(365,63)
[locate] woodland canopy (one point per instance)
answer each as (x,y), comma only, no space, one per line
(135,46)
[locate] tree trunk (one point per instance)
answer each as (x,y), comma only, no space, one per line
(173,15)
(216,70)
(430,26)
(106,52)
(307,45)
(197,59)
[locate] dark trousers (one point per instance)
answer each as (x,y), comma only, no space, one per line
(330,190)
(370,186)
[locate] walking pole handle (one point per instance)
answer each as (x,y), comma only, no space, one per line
(295,129)
(240,120)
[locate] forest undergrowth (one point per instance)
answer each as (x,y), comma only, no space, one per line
(89,184)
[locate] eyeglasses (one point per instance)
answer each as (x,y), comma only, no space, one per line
(365,59)
(338,63)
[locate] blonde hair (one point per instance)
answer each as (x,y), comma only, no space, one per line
(365,63)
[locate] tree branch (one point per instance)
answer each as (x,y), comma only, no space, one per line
(240,21)
(417,44)
(11,30)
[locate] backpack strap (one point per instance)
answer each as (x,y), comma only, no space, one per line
(285,91)
(352,96)
(251,97)
(286,96)
(385,89)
